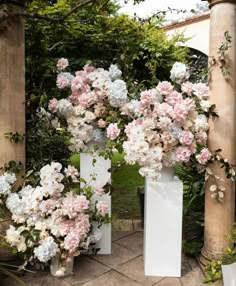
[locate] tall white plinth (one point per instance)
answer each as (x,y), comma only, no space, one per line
(100,169)
(163,227)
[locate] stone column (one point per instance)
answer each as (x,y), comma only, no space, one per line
(12,96)
(12,87)
(219,217)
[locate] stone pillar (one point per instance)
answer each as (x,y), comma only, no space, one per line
(12,87)
(219,217)
(12,97)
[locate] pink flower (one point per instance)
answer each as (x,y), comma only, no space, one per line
(163,109)
(71,242)
(86,99)
(201,90)
(62,82)
(204,156)
(101,123)
(102,208)
(47,206)
(62,63)
(66,226)
(88,68)
(182,154)
(146,97)
(113,131)
(99,190)
(187,87)
(72,172)
(174,97)
(53,105)
(201,137)
(186,137)
(180,112)
(165,87)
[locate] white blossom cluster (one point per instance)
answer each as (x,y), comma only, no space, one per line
(179,72)
(6,182)
(62,218)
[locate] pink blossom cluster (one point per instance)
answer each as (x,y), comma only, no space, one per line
(92,93)
(169,126)
(62,217)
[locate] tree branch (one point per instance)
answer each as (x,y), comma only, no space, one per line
(5,15)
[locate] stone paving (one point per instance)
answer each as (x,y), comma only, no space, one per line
(124,267)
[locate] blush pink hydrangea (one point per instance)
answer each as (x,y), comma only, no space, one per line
(113,131)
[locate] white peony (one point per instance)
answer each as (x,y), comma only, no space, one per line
(179,72)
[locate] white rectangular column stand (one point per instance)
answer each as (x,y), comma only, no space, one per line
(163,228)
(100,169)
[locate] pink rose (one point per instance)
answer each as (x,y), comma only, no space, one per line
(62,63)
(180,112)
(163,109)
(182,154)
(165,87)
(88,68)
(53,105)
(62,82)
(186,137)
(201,137)
(204,156)
(113,131)
(201,90)
(187,87)
(102,208)
(174,97)
(146,97)
(99,190)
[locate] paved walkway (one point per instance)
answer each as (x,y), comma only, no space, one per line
(123,268)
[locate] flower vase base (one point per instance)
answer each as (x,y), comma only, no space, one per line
(62,267)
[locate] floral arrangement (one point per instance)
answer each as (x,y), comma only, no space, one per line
(56,217)
(169,125)
(92,110)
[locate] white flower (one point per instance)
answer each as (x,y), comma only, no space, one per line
(117,93)
(46,250)
(96,235)
(205,104)
(213,188)
(179,72)
(65,108)
(6,182)
(114,72)
(14,238)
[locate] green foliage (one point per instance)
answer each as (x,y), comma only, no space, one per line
(94,34)
(213,271)
(193,212)
(44,143)
(14,137)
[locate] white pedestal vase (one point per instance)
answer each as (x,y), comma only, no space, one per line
(100,169)
(61,267)
(229,274)
(163,225)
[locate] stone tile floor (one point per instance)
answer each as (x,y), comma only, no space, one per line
(124,267)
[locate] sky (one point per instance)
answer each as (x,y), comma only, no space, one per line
(149,7)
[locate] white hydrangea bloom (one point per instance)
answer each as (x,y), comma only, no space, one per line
(96,235)
(6,182)
(114,72)
(179,72)
(65,107)
(117,93)
(46,250)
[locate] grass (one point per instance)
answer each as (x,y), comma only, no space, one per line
(125,180)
